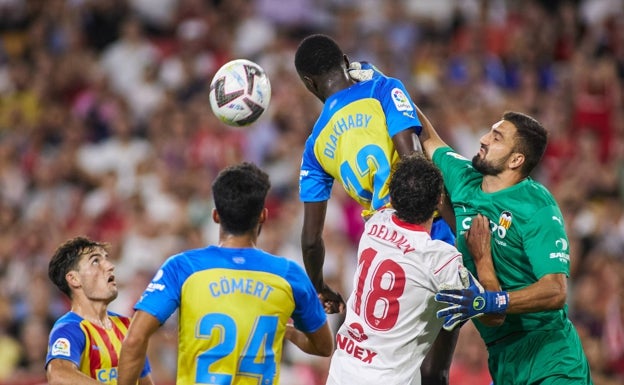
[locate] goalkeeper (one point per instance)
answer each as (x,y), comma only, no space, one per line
(516,228)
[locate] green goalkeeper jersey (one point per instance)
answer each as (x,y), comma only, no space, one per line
(528,237)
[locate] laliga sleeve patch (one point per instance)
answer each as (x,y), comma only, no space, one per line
(400,100)
(61,347)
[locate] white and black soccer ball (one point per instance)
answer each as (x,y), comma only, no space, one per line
(240,92)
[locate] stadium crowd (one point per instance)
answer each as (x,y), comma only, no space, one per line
(106,131)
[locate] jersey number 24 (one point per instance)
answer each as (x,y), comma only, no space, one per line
(258,359)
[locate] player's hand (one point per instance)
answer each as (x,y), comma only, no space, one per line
(332,300)
(361,71)
(472,301)
(359,74)
(478,238)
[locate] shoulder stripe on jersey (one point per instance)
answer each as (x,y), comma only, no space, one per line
(447,263)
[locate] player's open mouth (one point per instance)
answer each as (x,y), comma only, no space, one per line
(111,279)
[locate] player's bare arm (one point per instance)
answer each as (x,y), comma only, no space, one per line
(478,239)
(61,372)
(134,347)
(313,249)
(320,342)
(434,369)
(147,380)
(429,138)
(548,293)
(406,142)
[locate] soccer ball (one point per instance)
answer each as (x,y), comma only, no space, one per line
(239,92)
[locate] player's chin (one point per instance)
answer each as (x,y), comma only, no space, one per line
(113,294)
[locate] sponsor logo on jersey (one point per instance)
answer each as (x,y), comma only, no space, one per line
(350,347)
(563,255)
(356,331)
(401,101)
(153,286)
(107,375)
(61,347)
(498,229)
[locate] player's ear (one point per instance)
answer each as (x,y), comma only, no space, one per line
(309,83)
(72,278)
(263,215)
(516,160)
(346,60)
(215,216)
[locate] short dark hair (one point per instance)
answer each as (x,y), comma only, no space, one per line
(318,55)
(239,194)
(416,186)
(66,258)
(531,139)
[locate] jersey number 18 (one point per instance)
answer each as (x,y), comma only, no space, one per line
(380,303)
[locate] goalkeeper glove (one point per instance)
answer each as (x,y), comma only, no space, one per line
(361,71)
(472,301)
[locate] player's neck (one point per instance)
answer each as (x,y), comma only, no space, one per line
(94,312)
(247,240)
(335,84)
(494,183)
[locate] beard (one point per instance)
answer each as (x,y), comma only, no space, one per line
(488,168)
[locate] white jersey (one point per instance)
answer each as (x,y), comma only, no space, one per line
(391,320)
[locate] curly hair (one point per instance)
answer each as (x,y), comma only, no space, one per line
(416,186)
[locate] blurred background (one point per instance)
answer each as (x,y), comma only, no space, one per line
(106,131)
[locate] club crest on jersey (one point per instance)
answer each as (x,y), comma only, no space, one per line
(505,219)
(401,101)
(61,347)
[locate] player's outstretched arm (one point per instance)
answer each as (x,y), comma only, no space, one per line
(319,343)
(134,347)
(429,138)
(312,245)
(313,250)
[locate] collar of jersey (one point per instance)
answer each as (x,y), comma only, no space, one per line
(407,225)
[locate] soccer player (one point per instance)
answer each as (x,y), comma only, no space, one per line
(390,321)
(364,128)
(517,228)
(235,300)
(85,343)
